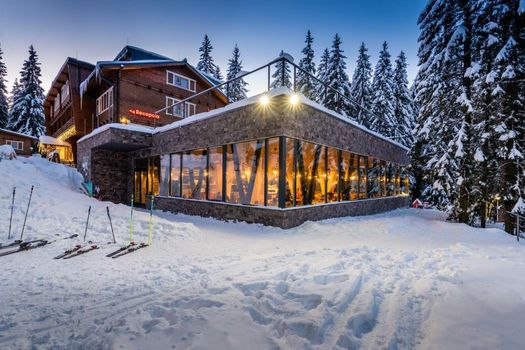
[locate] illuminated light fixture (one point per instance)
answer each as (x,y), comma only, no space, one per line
(294,99)
(124,120)
(264,100)
(69,132)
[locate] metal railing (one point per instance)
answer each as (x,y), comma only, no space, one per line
(284,60)
(520,225)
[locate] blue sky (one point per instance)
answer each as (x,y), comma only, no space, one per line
(97,30)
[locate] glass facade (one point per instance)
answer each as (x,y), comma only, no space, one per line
(255,172)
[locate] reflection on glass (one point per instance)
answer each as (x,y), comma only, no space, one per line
(194,174)
(290,173)
(164,175)
(153,176)
(332,173)
(175,175)
(273,173)
(215,174)
(362,177)
(373,178)
(403,181)
(382,178)
(311,173)
(245,173)
(390,179)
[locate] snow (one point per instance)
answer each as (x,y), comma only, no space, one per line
(7,152)
(129,127)
(519,207)
(49,140)
(17,133)
(400,280)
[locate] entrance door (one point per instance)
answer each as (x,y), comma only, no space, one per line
(146,179)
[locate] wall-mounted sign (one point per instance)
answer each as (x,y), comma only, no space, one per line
(140,113)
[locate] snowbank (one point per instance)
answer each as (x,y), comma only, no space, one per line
(7,152)
(401,280)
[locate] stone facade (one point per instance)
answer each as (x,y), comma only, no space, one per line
(284,218)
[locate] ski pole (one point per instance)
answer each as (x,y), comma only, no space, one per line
(11,218)
(27,210)
(150,238)
(131,222)
(87,223)
(111,225)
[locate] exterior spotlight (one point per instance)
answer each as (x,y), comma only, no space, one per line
(264,100)
(294,99)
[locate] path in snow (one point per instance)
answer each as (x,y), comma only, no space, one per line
(404,279)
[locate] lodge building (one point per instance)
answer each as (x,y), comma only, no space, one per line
(278,159)
(128,89)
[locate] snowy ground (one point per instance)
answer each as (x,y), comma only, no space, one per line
(404,279)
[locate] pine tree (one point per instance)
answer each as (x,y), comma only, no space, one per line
(403,104)
(361,89)
(27,112)
(16,91)
(322,73)
(383,118)
(4,107)
(337,79)
(206,63)
(235,90)
(305,83)
(282,74)
(217,74)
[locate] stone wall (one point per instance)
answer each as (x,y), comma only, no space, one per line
(284,218)
(279,119)
(111,172)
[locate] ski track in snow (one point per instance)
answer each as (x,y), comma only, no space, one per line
(389,281)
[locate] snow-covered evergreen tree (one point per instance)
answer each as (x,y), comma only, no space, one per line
(305,83)
(206,63)
(16,91)
(282,74)
(4,105)
(383,118)
(403,104)
(27,113)
(235,90)
(322,73)
(337,79)
(361,88)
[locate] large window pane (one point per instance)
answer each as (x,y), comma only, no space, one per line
(245,173)
(349,176)
(290,173)
(215,174)
(273,172)
(404,181)
(374,190)
(175,175)
(194,174)
(311,173)
(332,174)
(165,175)
(382,178)
(362,177)
(397,188)
(390,179)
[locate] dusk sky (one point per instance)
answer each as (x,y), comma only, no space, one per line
(97,30)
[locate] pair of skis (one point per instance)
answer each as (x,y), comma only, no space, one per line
(24,246)
(132,246)
(11,218)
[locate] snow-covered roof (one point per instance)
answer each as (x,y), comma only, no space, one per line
(17,133)
(49,140)
(129,127)
(232,106)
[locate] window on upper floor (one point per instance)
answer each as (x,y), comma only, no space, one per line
(180,81)
(182,110)
(105,101)
(64,92)
(17,145)
(56,103)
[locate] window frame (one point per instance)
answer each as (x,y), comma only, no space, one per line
(187,105)
(18,143)
(105,97)
(172,82)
